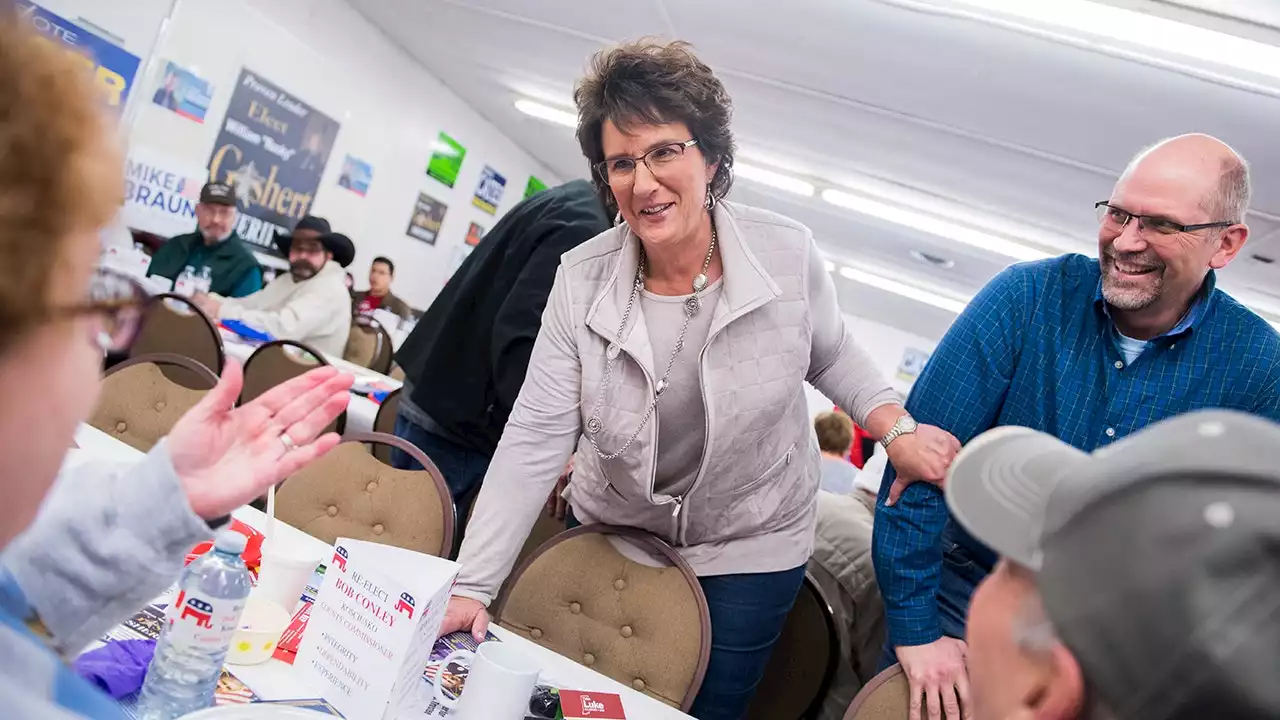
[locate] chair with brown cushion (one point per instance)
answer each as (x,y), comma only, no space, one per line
(803,662)
(173,324)
(351,493)
(139,404)
(280,361)
(385,422)
(646,627)
(886,696)
(369,345)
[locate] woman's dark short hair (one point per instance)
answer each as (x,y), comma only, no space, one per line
(651,82)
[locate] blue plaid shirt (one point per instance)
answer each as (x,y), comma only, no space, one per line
(1037,348)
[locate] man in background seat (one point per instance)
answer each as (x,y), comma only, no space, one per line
(214,245)
(465,361)
(379,296)
(310,304)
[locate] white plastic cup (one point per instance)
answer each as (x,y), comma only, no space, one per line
(286,567)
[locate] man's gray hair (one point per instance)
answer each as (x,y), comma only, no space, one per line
(1230,199)
(1033,632)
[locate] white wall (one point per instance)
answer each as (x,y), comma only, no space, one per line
(323,52)
(885,345)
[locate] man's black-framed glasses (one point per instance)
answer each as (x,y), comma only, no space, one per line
(1118,218)
(623,169)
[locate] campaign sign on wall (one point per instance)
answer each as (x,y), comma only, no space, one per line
(273,148)
(160,193)
(114,69)
(428,215)
(183,93)
(489,192)
(533,187)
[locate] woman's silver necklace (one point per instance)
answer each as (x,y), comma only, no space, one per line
(692,305)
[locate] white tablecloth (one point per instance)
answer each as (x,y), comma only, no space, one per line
(361,411)
(276,680)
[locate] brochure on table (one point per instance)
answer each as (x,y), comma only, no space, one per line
(372,628)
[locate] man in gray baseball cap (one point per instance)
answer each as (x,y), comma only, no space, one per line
(1140,581)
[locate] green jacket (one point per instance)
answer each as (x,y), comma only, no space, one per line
(236,272)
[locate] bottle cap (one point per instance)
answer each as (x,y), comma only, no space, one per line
(231,542)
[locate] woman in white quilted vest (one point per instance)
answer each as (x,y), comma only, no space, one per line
(672,357)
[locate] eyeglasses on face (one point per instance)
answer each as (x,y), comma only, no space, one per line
(622,170)
(119,300)
(1117,218)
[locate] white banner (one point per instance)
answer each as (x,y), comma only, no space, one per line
(161,193)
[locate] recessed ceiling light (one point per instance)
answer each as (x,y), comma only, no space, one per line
(903,289)
(548,113)
(932,225)
(934,260)
(773,179)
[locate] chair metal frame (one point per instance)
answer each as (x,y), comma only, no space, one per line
(157,300)
(384,351)
(654,546)
(340,425)
(181,361)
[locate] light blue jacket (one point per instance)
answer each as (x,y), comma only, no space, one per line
(108,539)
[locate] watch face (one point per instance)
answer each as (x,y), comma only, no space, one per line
(908,423)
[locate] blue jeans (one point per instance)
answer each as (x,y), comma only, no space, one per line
(961,575)
(462,467)
(748,612)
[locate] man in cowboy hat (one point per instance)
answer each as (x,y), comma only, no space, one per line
(309,305)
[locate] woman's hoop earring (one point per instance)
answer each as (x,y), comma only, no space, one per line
(711,201)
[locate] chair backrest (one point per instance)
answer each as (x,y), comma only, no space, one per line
(139,404)
(280,361)
(173,324)
(886,697)
(385,422)
(803,663)
(369,345)
(350,493)
(646,627)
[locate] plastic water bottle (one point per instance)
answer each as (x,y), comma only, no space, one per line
(205,281)
(189,655)
(185,285)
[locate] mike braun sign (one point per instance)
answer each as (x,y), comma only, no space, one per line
(273,148)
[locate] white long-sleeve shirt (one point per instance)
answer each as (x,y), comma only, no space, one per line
(315,311)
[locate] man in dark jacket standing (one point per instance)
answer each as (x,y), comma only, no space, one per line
(465,361)
(215,245)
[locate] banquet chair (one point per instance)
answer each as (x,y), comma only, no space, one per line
(886,696)
(804,660)
(173,324)
(643,623)
(280,361)
(139,404)
(369,345)
(385,422)
(351,493)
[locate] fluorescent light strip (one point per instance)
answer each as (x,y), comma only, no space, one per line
(933,225)
(907,291)
(548,113)
(1130,28)
(773,179)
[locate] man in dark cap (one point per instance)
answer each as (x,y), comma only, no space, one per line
(214,245)
(1139,581)
(310,304)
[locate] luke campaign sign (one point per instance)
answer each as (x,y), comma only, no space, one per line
(114,69)
(160,193)
(273,148)
(372,629)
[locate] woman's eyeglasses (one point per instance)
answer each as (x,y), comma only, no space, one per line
(622,170)
(119,301)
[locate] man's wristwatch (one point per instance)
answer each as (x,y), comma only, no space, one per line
(906,425)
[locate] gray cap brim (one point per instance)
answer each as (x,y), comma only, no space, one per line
(999,486)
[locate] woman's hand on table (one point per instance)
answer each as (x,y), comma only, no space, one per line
(463,613)
(924,455)
(227,456)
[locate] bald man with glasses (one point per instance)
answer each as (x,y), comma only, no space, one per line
(1088,351)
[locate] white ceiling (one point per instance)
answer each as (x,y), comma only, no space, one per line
(900,96)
